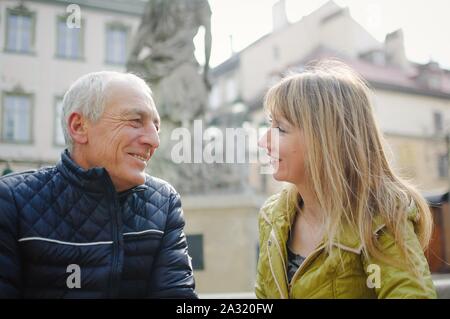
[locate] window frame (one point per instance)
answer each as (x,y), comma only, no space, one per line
(442,165)
(197,264)
(127,29)
(30,96)
(276,53)
(231,90)
(21,10)
(438,122)
(81,57)
(56,99)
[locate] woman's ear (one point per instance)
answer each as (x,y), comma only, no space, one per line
(78,128)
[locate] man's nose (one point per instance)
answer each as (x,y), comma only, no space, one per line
(151,136)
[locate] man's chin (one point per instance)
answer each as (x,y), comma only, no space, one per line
(139,179)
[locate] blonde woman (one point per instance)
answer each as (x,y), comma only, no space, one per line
(347,226)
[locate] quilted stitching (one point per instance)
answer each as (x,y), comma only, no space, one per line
(67,204)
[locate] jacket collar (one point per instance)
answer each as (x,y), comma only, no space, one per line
(93,180)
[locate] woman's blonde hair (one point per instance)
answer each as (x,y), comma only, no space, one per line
(345,160)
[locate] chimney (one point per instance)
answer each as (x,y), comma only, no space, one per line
(232,52)
(394,48)
(279,17)
(431,76)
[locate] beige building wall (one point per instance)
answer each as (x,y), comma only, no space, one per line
(407,121)
(229,225)
(416,159)
(346,36)
(410,114)
(226,90)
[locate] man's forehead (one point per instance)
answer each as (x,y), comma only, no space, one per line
(129,98)
(119,88)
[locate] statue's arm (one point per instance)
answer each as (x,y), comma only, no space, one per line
(143,36)
(206,22)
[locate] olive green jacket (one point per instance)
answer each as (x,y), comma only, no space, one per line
(342,273)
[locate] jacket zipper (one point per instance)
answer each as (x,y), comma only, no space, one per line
(115,271)
(304,264)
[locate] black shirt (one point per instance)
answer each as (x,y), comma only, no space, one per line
(294,262)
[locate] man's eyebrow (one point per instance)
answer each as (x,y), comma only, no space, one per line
(142,113)
(135,112)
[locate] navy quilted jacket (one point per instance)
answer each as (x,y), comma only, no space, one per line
(126,245)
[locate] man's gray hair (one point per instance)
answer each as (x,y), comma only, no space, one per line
(87,96)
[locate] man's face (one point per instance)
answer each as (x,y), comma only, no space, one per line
(125,137)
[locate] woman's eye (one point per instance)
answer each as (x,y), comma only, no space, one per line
(280,129)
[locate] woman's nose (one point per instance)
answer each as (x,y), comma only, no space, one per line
(264,141)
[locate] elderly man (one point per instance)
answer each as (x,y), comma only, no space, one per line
(95,225)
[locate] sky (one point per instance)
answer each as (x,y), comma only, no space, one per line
(425,24)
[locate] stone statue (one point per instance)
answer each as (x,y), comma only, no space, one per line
(163,54)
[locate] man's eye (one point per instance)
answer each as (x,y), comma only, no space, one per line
(136,121)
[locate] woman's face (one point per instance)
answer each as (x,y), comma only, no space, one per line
(288,154)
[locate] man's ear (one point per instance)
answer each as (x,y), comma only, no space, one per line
(77,125)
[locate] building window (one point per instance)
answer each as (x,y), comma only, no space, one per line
(58,131)
(443,166)
(20,30)
(438,122)
(214,97)
(16,117)
(276,53)
(69,40)
(195,243)
(116,44)
(231,90)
